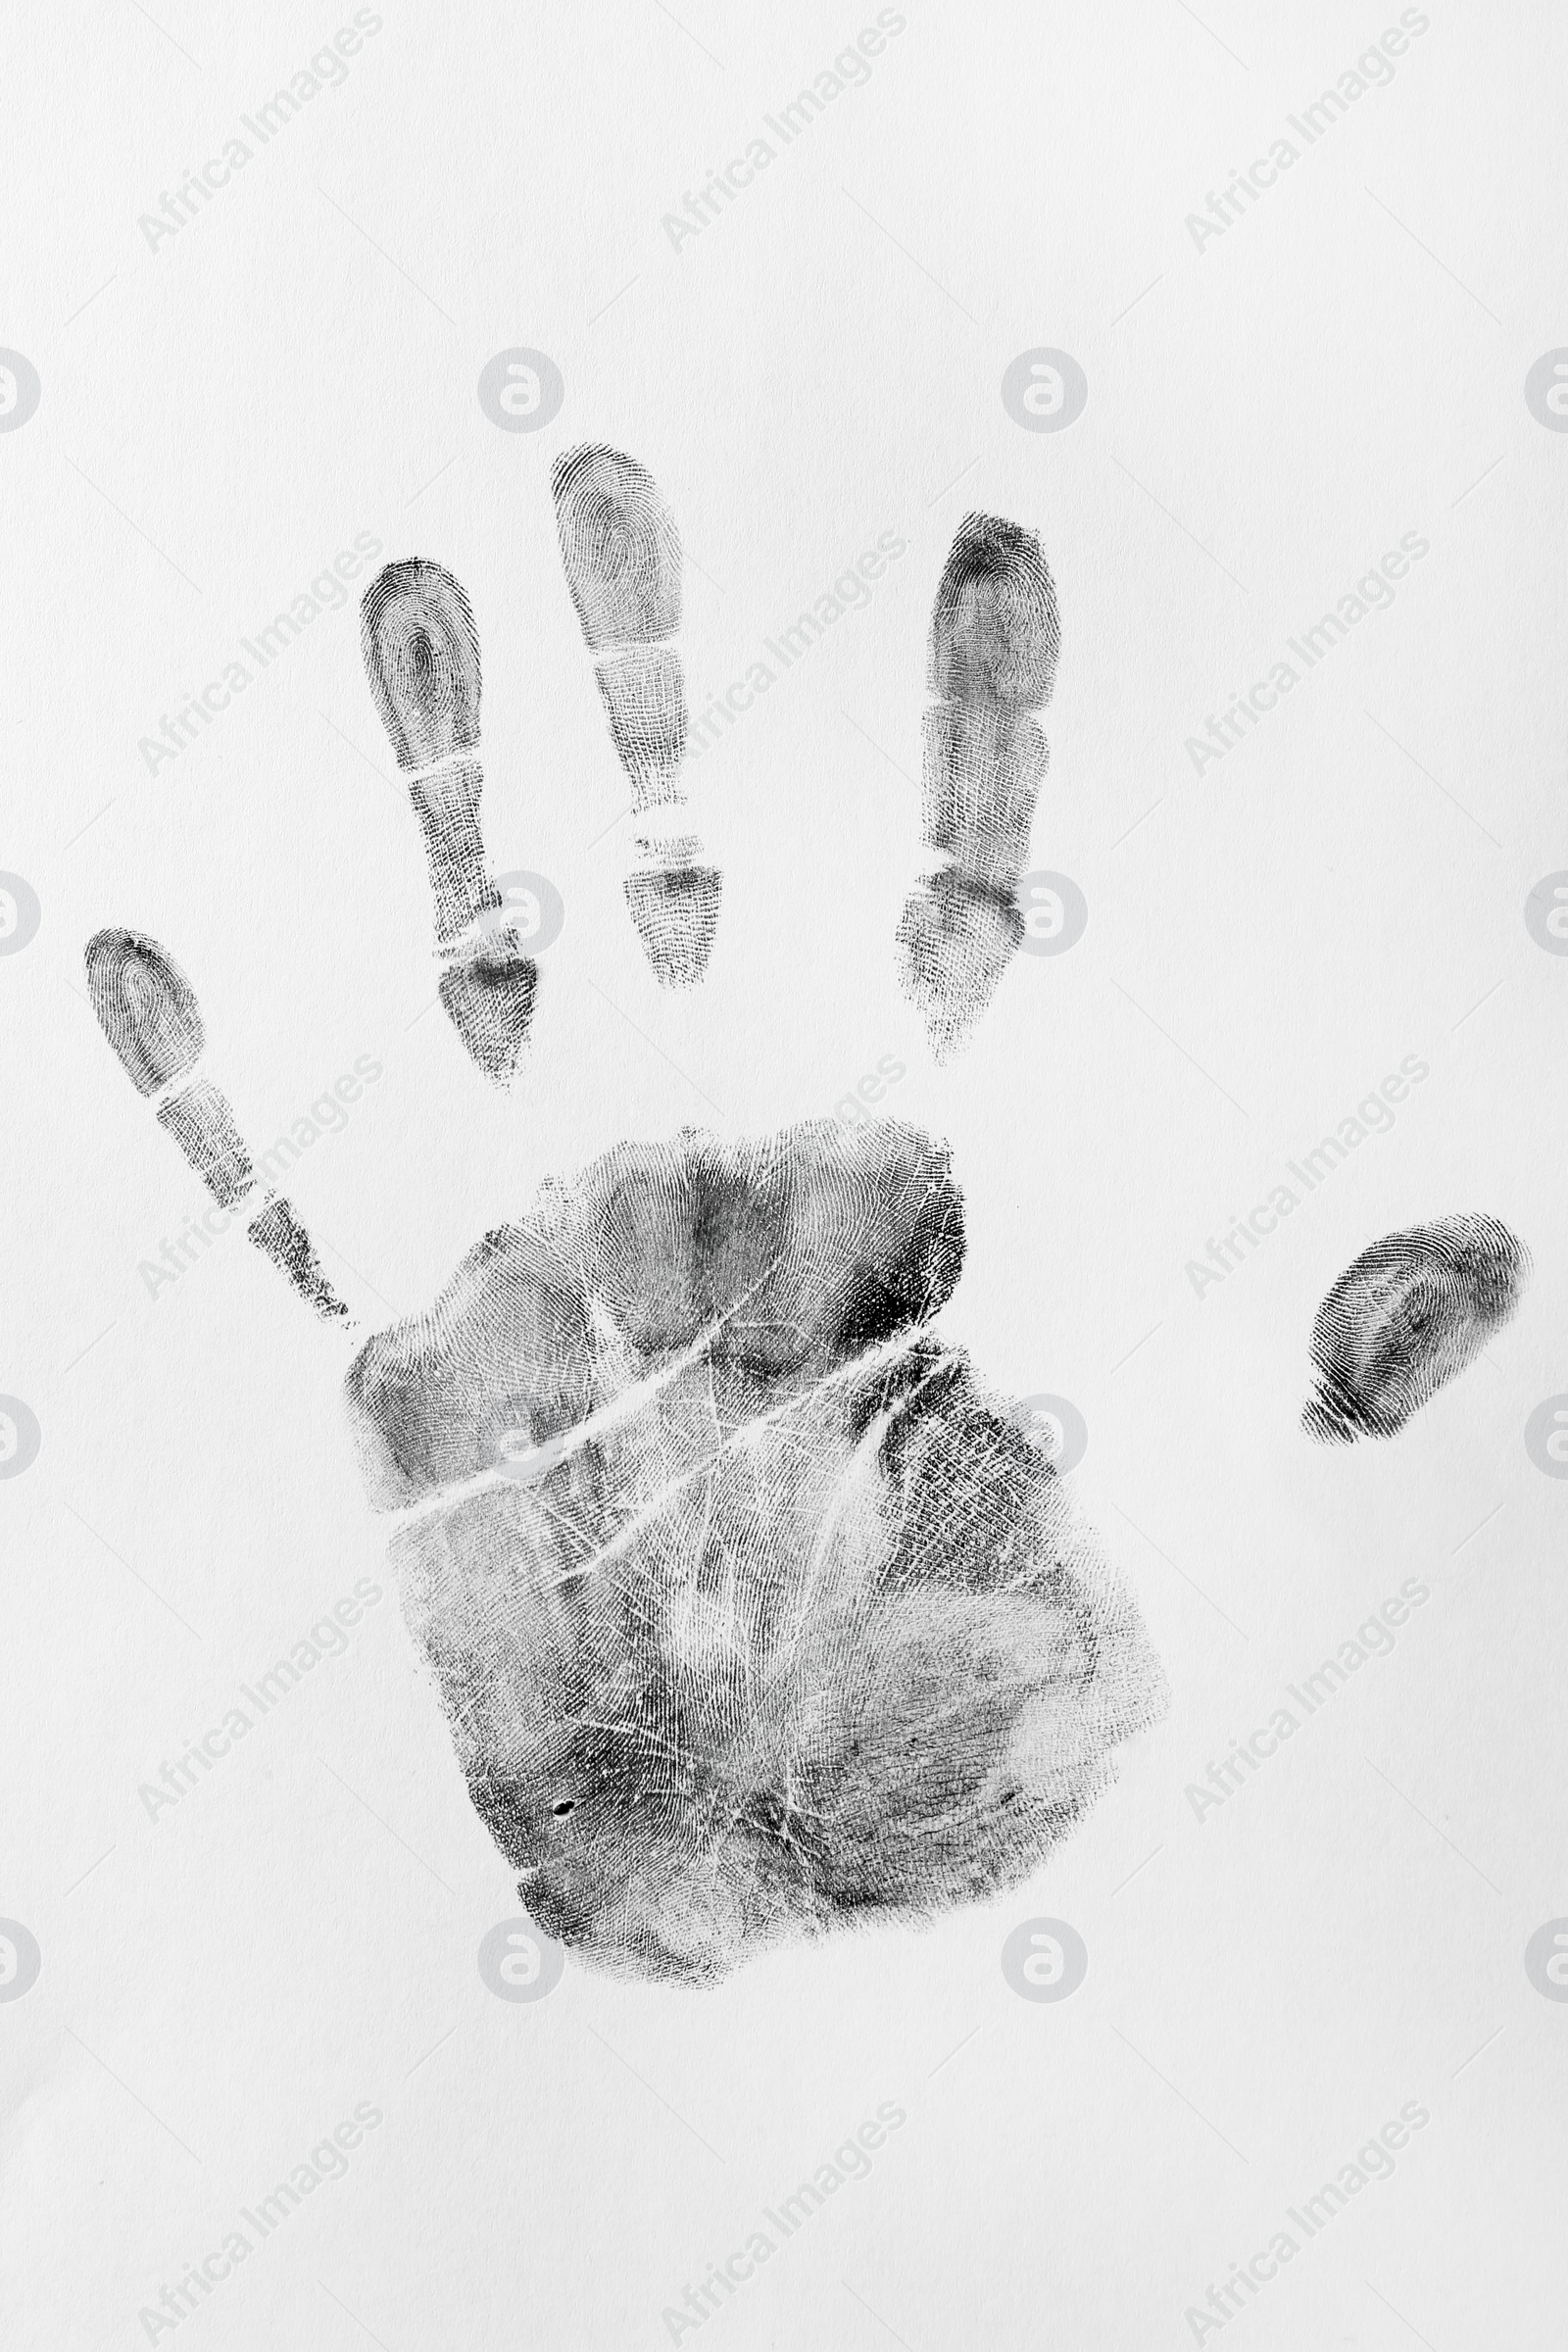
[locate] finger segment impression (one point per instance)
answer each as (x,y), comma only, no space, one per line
(621,554)
(148,1012)
(992,663)
(421,657)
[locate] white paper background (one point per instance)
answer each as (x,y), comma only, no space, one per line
(823,364)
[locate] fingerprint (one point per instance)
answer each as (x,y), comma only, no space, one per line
(148,1012)
(422,657)
(201,1122)
(753,1612)
(992,663)
(1413,1312)
(146,1007)
(621,554)
(620,545)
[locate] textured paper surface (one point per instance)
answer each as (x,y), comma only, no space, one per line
(1253,398)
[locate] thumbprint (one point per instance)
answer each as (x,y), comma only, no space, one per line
(421,657)
(1413,1312)
(752,1612)
(621,554)
(992,663)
